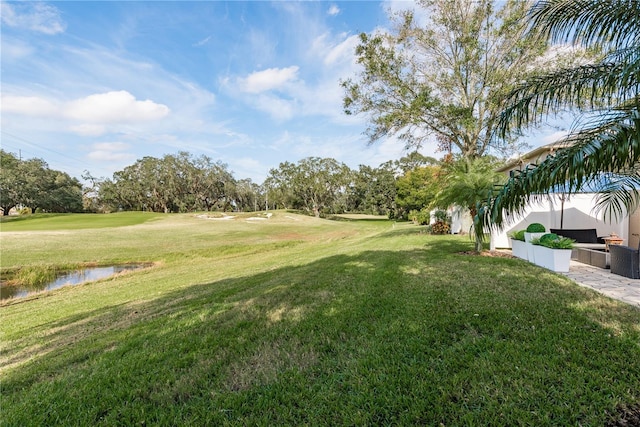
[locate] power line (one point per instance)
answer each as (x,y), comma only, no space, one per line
(37,146)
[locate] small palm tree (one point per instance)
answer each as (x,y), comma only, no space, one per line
(606,93)
(466,182)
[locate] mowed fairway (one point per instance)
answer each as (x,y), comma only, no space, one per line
(303,321)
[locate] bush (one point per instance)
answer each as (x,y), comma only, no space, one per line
(421,217)
(553,241)
(441,215)
(536,227)
(559,243)
(440,227)
(518,235)
(548,237)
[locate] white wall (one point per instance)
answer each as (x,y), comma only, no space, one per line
(461,221)
(578,213)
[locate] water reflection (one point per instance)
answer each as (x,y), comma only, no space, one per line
(71,278)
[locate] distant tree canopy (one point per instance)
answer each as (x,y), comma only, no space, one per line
(173,183)
(32,184)
(373,190)
(317,185)
(184,183)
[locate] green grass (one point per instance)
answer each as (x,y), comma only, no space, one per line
(50,222)
(296,321)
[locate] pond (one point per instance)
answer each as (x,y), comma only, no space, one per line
(84,275)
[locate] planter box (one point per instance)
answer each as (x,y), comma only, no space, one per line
(557,260)
(519,249)
(530,236)
(527,238)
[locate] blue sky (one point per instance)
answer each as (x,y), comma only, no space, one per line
(97,85)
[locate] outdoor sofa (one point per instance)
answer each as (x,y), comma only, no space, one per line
(584,237)
(588,247)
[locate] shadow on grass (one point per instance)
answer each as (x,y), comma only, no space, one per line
(383,337)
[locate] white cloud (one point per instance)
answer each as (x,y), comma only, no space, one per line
(88,129)
(28,106)
(111,146)
(110,156)
(269,79)
(102,108)
(202,42)
(14,49)
(342,52)
(333,10)
(110,152)
(114,107)
(36,16)
(278,108)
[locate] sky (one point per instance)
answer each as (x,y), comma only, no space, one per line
(94,86)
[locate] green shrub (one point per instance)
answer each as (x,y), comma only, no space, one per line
(559,243)
(440,227)
(553,241)
(536,227)
(518,235)
(420,217)
(548,237)
(441,215)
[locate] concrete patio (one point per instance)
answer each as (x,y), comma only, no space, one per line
(603,281)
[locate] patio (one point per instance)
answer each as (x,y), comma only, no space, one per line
(603,281)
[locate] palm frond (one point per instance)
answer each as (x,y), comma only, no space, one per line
(619,193)
(611,145)
(586,87)
(588,22)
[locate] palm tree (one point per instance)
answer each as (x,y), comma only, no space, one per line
(466,182)
(605,141)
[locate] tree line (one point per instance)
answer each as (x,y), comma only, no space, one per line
(186,183)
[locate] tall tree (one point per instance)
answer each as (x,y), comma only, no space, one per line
(10,181)
(279,186)
(605,144)
(373,190)
(416,189)
(443,78)
(314,184)
(31,183)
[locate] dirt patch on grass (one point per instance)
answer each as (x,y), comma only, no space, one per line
(492,254)
(626,416)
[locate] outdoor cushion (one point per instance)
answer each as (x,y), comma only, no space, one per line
(580,235)
(590,245)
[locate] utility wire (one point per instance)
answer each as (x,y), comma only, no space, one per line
(37,146)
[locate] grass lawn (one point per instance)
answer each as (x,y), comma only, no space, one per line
(73,221)
(302,321)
